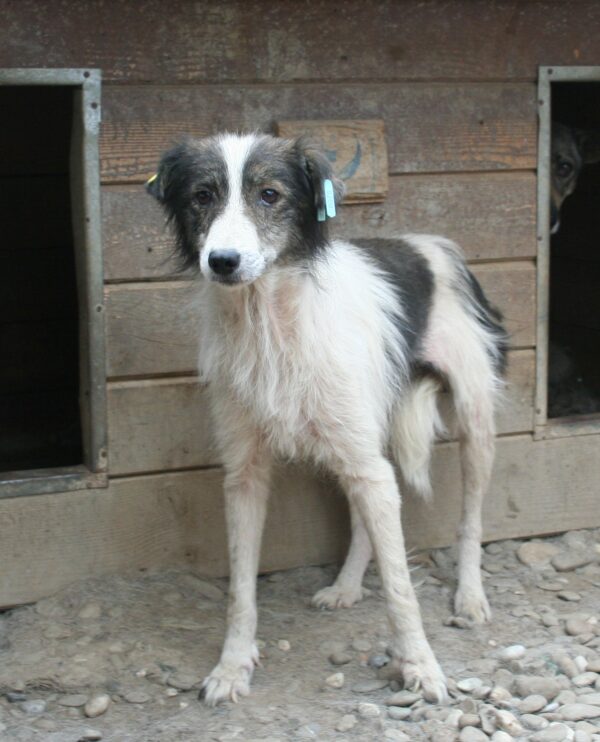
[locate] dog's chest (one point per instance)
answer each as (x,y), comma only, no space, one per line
(273,364)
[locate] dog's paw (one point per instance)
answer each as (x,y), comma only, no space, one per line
(422,674)
(230,679)
(339,596)
(472,604)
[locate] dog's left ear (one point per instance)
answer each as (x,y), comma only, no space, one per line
(318,169)
(589,145)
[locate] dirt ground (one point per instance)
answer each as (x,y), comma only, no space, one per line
(141,643)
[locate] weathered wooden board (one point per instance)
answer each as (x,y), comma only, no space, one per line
(491,215)
(430,127)
(357,151)
(157,425)
(315,40)
(151,327)
(162,424)
(168,519)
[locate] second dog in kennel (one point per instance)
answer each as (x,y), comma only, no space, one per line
(335,352)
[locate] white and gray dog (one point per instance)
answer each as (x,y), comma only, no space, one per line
(332,351)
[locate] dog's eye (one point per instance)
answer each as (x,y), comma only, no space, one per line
(269,196)
(564,169)
(203,197)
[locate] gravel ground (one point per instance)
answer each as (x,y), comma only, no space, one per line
(121,658)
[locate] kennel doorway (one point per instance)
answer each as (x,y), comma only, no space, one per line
(52,379)
(568,349)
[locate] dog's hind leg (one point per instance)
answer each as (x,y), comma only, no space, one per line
(474,403)
(373,490)
(246,495)
(347,588)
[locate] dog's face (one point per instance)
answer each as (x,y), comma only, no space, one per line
(571,149)
(239,204)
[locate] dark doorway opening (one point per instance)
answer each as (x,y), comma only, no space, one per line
(574,322)
(40,424)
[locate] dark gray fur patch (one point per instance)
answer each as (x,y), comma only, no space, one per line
(409,273)
(187,168)
(290,168)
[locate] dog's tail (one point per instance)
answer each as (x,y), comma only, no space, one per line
(415,425)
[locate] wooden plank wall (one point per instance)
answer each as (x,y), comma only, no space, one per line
(454,82)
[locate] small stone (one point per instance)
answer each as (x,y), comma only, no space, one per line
(566,696)
(585,679)
(550,619)
(340,658)
(379,660)
(284,645)
(90,611)
(15,696)
(593,664)
(533,685)
(501,736)
(459,622)
(500,696)
(402,698)
(136,696)
(468,685)
(508,723)
(531,704)
(514,652)
(570,560)
(73,700)
(503,677)
(569,596)
(395,735)
(536,553)
(591,698)
(550,586)
(371,685)
(566,665)
(346,723)
(582,736)
(97,705)
(361,645)
(90,735)
(336,680)
(399,713)
(472,734)
(576,626)
(553,733)
(370,710)
(35,706)
(171,692)
(533,722)
(579,711)
(182,681)
(582,664)
(309,731)
(469,720)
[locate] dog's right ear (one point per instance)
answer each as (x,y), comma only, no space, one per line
(588,141)
(169,167)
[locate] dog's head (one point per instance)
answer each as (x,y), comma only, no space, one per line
(240,204)
(571,149)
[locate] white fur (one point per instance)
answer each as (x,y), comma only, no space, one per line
(300,366)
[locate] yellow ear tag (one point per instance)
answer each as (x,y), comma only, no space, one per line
(152,179)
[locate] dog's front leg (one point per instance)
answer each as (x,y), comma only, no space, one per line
(246,494)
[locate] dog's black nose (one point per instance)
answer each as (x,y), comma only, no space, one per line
(224,262)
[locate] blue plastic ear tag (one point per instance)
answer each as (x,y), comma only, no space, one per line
(329,198)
